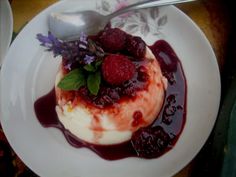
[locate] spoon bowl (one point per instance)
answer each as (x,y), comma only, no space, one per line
(68,26)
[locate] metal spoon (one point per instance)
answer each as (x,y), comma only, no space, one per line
(68,26)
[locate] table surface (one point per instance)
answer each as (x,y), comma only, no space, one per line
(204,12)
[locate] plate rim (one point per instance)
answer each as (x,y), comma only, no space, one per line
(8,42)
(195,26)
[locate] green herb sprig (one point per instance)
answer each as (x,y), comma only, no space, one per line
(85,52)
(89,76)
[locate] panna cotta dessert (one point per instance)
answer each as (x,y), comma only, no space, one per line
(115,95)
(114,123)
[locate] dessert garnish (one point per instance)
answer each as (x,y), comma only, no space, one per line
(84,53)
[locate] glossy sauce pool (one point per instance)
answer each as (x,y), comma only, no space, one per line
(171,118)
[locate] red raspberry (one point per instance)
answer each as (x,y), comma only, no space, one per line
(136,47)
(113,40)
(117,69)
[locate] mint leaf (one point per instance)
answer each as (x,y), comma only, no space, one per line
(98,63)
(73,80)
(93,82)
(90,68)
(93,68)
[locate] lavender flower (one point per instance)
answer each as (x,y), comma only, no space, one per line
(68,66)
(78,56)
(83,38)
(83,51)
(51,42)
(89,59)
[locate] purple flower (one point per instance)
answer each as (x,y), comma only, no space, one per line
(43,39)
(51,43)
(82,46)
(89,59)
(82,50)
(83,38)
(68,66)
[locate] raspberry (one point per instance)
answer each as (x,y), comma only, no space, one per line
(117,69)
(113,40)
(150,142)
(136,47)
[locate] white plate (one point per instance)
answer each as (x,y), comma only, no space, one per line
(6,27)
(29,72)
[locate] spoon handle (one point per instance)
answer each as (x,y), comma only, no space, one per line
(146,4)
